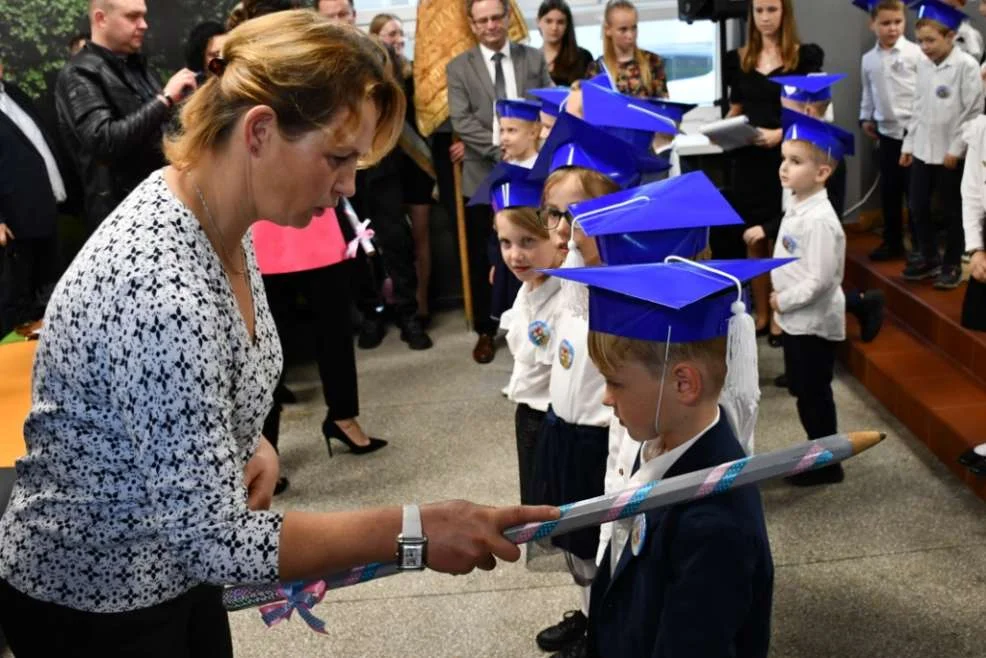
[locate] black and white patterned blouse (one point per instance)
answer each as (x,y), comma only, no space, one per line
(148,401)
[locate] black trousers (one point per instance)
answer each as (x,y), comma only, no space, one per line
(381,200)
(479,227)
(925,180)
(893,186)
(527,422)
(328,294)
(28,273)
(809,362)
(194,625)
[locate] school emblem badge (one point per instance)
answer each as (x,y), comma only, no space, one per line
(539,333)
(789,243)
(942,91)
(566,354)
(639,534)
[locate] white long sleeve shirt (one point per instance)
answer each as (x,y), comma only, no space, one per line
(974,185)
(949,95)
(970,40)
(809,290)
(889,77)
(576,386)
(529,324)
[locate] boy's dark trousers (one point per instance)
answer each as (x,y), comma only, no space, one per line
(809,362)
(925,180)
(527,422)
(893,185)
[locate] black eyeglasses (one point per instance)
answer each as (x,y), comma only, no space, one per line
(485,20)
(551,217)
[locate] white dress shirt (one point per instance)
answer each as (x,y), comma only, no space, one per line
(889,77)
(531,374)
(509,78)
(809,290)
(949,95)
(974,185)
(26,125)
(654,464)
(576,387)
(526,164)
(970,40)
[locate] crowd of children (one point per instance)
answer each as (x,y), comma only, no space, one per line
(622,373)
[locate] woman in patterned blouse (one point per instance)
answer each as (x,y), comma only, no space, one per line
(146,483)
(635,71)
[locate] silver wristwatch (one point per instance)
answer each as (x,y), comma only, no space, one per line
(412,545)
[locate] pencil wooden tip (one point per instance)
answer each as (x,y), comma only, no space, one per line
(865,440)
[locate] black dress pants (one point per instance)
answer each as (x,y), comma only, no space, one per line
(527,422)
(893,186)
(479,228)
(925,180)
(193,625)
(809,362)
(28,273)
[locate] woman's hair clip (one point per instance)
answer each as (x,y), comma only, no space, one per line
(217,66)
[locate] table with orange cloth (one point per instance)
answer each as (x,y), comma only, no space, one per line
(16,360)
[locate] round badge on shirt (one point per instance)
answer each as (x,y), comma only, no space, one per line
(790,244)
(942,91)
(539,333)
(639,534)
(566,354)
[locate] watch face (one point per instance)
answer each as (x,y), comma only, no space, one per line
(413,558)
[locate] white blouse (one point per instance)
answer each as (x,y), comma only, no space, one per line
(529,324)
(148,401)
(576,387)
(974,185)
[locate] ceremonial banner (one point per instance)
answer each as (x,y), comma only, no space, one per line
(443,32)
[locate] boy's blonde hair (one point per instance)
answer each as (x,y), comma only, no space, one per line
(818,155)
(942,29)
(888,5)
(593,183)
(306,69)
(609,352)
(526,219)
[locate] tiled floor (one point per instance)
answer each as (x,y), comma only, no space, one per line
(890,563)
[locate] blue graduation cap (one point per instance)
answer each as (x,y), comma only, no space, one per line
(518,109)
(808,88)
(507,186)
(552,99)
(691,301)
(866,5)
(610,109)
(672,109)
(575,143)
(830,138)
(602,80)
(933,10)
(648,223)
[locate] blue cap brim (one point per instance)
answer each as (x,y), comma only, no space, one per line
(507,186)
(830,138)
(671,109)
(808,88)
(604,107)
(939,12)
(552,98)
(518,109)
(645,301)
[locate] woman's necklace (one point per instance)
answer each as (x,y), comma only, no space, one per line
(222,241)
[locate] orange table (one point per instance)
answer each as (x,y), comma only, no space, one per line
(16,360)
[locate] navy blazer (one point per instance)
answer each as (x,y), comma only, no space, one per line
(703,582)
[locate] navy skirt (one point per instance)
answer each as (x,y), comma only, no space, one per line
(569,466)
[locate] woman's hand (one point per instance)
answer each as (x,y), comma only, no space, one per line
(977,266)
(260,476)
(769,139)
(463,536)
(753,235)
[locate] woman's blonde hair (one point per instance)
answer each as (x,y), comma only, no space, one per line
(303,66)
(790,43)
(376,27)
(609,50)
(526,219)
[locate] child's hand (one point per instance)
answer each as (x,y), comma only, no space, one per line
(753,235)
(774,304)
(906,159)
(951,162)
(869,127)
(977,266)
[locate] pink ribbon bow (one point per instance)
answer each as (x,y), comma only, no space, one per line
(363,232)
(297,596)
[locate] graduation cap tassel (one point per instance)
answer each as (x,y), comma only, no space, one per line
(741,391)
(575,294)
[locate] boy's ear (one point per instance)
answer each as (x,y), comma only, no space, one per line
(825,170)
(688,383)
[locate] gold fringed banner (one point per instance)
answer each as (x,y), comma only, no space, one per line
(442,33)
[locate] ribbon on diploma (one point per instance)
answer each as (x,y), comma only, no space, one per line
(363,236)
(297,596)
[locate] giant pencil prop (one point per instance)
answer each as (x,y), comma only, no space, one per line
(279,600)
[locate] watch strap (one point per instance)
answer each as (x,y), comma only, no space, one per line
(411,527)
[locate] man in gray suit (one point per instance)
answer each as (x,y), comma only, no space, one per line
(494,69)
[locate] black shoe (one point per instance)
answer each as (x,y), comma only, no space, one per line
(775,340)
(577,649)
(332,431)
(425,321)
(284,395)
(570,629)
(414,334)
(950,278)
(920,270)
(871,314)
(281,486)
(780,381)
(886,252)
(826,475)
(371,332)
(970,457)
(979,468)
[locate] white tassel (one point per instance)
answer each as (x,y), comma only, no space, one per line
(575,295)
(741,393)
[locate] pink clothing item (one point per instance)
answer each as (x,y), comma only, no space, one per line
(282,250)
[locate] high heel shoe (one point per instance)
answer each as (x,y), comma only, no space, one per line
(332,431)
